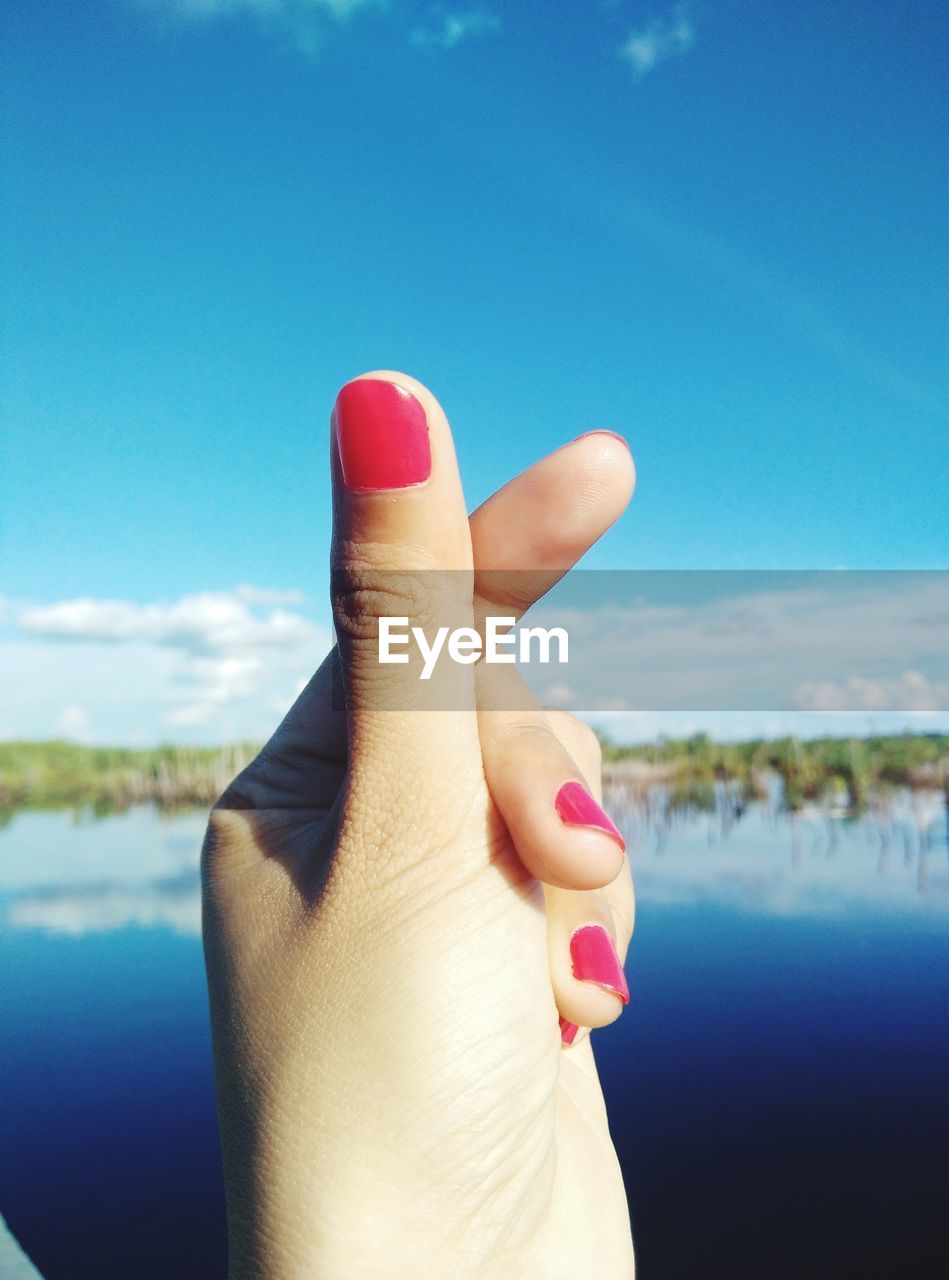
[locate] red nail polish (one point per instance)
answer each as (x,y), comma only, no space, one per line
(382,436)
(602,431)
(594,959)
(577,808)
(568,1031)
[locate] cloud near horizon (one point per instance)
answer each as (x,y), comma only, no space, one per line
(753,657)
(215,663)
(750,641)
(205,623)
(909,691)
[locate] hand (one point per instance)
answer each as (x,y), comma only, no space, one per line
(391,899)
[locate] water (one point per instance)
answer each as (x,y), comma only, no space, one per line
(777,1089)
(110,1156)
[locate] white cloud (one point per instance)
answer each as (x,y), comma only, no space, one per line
(757,643)
(84,619)
(740,726)
(228,676)
(911,691)
(559,694)
(279,10)
(451,28)
(661,39)
(215,663)
(74,721)
(206,622)
(211,667)
(305,22)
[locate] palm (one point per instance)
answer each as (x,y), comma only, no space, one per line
(469,1050)
(392,904)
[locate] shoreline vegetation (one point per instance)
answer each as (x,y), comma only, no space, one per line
(60,775)
(843,775)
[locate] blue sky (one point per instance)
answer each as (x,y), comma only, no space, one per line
(719,228)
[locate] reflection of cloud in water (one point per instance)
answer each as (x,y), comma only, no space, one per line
(50,850)
(74,877)
(76,910)
(807,866)
(141,870)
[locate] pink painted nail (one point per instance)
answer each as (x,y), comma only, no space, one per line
(568,1031)
(595,960)
(602,431)
(577,808)
(382,436)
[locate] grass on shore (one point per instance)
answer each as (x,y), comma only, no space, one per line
(845,771)
(64,775)
(850,771)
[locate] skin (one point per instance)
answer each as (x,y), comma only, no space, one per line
(389,897)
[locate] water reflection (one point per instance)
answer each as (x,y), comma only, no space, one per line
(74,877)
(817,860)
(174,904)
(78,876)
(785,1051)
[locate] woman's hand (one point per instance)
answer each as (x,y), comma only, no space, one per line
(401,902)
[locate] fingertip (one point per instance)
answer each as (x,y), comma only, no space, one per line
(573,858)
(603,431)
(585,1006)
(605,468)
(594,959)
(575,807)
(406,382)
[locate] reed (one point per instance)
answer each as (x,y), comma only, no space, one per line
(64,775)
(847,772)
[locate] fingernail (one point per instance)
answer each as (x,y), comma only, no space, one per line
(577,808)
(594,959)
(602,431)
(568,1031)
(382,436)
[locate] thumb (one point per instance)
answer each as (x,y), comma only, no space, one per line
(401,573)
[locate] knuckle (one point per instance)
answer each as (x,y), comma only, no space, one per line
(363,591)
(505,589)
(227,840)
(525,731)
(577,736)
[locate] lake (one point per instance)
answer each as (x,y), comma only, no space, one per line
(777,1088)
